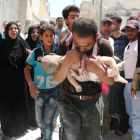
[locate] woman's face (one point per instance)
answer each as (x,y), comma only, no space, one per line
(13,31)
(34,34)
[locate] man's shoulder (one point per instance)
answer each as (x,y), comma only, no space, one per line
(64,33)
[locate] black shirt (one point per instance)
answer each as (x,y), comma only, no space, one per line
(119,45)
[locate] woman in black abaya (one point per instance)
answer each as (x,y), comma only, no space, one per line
(14,108)
(33,37)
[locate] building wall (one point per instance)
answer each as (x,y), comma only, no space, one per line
(85,10)
(28,12)
(8,11)
(123,8)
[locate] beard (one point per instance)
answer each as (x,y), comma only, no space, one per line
(87,52)
(132,38)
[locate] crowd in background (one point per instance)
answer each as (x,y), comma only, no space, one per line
(30,97)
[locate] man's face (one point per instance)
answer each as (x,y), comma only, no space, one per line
(71,18)
(19,25)
(106,28)
(60,22)
(4,25)
(83,44)
(115,25)
(132,33)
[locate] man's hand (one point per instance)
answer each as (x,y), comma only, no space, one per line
(93,64)
(133,93)
(72,57)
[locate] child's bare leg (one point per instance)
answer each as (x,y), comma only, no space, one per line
(74,83)
(109,61)
(118,78)
(112,72)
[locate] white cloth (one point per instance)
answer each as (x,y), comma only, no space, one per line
(68,31)
(94,52)
(22,35)
(130,59)
(56,39)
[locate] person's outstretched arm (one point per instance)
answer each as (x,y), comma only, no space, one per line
(72,57)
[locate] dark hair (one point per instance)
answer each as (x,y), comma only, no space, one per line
(53,23)
(59,18)
(133,17)
(84,27)
(68,9)
(118,19)
(44,27)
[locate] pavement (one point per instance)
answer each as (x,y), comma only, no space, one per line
(34,134)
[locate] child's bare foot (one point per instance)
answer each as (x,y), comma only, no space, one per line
(118,78)
(112,72)
(78,88)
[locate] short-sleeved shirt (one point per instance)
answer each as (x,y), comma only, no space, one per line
(58,32)
(119,45)
(130,59)
(88,87)
(42,79)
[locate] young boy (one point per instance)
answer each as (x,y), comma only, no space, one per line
(43,89)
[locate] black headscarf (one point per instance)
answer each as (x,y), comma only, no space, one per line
(12,42)
(33,44)
(11,46)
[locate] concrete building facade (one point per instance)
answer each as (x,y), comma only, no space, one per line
(28,12)
(99,8)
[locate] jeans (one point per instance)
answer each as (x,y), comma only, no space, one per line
(80,119)
(45,107)
(133,110)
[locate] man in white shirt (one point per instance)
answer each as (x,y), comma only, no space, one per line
(106,29)
(129,65)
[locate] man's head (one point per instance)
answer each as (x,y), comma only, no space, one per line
(133,17)
(60,22)
(47,33)
(4,24)
(84,34)
(132,27)
(116,23)
(53,24)
(106,27)
(70,13)
(19,25)
(44,20)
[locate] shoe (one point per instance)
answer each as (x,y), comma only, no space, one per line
(127,136)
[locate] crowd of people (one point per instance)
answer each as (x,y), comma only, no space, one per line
(31,97)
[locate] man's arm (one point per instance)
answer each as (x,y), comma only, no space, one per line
(94,65)
(72,57)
